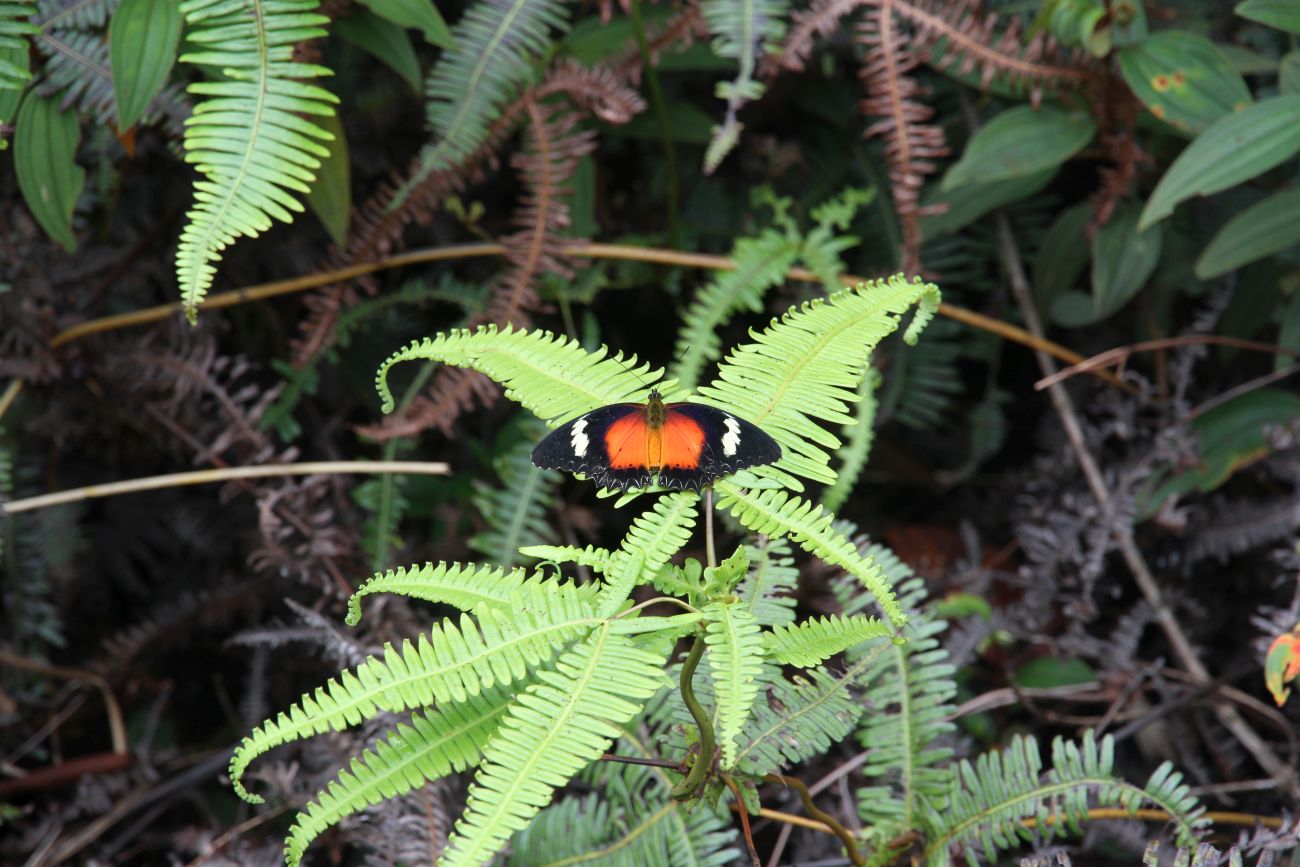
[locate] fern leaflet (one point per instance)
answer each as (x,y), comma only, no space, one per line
(451,664)
(435,744)
(767,589)
(807,366)
(599,559)
(249,138)
(776,513)
(552,730)
(741,30)
(467,587)
(816,639)
(861,435)
(735,662)
(795,720)
(13,46)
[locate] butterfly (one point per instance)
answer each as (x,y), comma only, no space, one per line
(633,445)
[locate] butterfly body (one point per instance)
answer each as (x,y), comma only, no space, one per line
(633,445)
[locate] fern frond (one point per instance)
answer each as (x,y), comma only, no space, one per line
(469,587)
(451,664)
(824,242)
(435,744)
(497,43)
(248,138)
(515,510)
(660,532)
(776,513)
(795,720)
(559,724)
(1002,788)
(735,646)
(552,376)
(761,263)
(744,31)
(821,18)
(767,589)
(911,686)
(861,435)
(926,379)
(14,27)
(596,559)
(806,367)
(811,641)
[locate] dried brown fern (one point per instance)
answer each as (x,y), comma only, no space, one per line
(912,143)
(820,19)
(552,149)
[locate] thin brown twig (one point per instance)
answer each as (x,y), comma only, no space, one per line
(1120,354)
(1244,388)
(116,728)
(221,474)
(744,819)
(1122,534)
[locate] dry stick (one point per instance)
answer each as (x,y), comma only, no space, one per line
(1123,535)
(590,251)
(221,474)
(1121,354)
(116,728)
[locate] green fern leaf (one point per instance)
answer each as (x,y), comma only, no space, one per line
(1003,788)
(925,380)
(598,559)
(861,435)
(776,513)
(14,27)
(497,46)
(912,685)
(824,243)
(553,377)
(735,661)
(761,263)
(451,664)
(807,366)
(661,531)
(467,587)
(796,720)
(516,510)
(435,744)
(811,641)
(743,31)
(249,138)
(557,726)
(768,589)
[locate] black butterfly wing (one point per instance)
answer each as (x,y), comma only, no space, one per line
(581,446)
(729,444)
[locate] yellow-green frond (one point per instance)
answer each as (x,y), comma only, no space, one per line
(468,586)
(816,639)
(436,743)
(805,368)
(777,514)
(735,662)
(564,721)
(249,136)
(593,557)
(451,664)
(553,377)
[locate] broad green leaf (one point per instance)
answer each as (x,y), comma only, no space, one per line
(1265,228)
(969,202)
(1288,73)
(13,67)
(419,14)
(1076,22)
(1019,142)
(1062,255)
(1048,672)
(1235,148)
(1183,79)
(331,194)
(142,41)
(1282,14)
(386,41)
(1231,436)
(1245,61)
(45,150)
(1122,260)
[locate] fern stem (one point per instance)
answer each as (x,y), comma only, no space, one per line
(743,812)
(709,553)
(661,115)
(687,788)
(850,847)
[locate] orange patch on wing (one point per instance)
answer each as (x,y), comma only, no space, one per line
(683,442)
(626,442)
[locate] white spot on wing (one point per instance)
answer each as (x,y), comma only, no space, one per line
(731,439)
(578,438)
